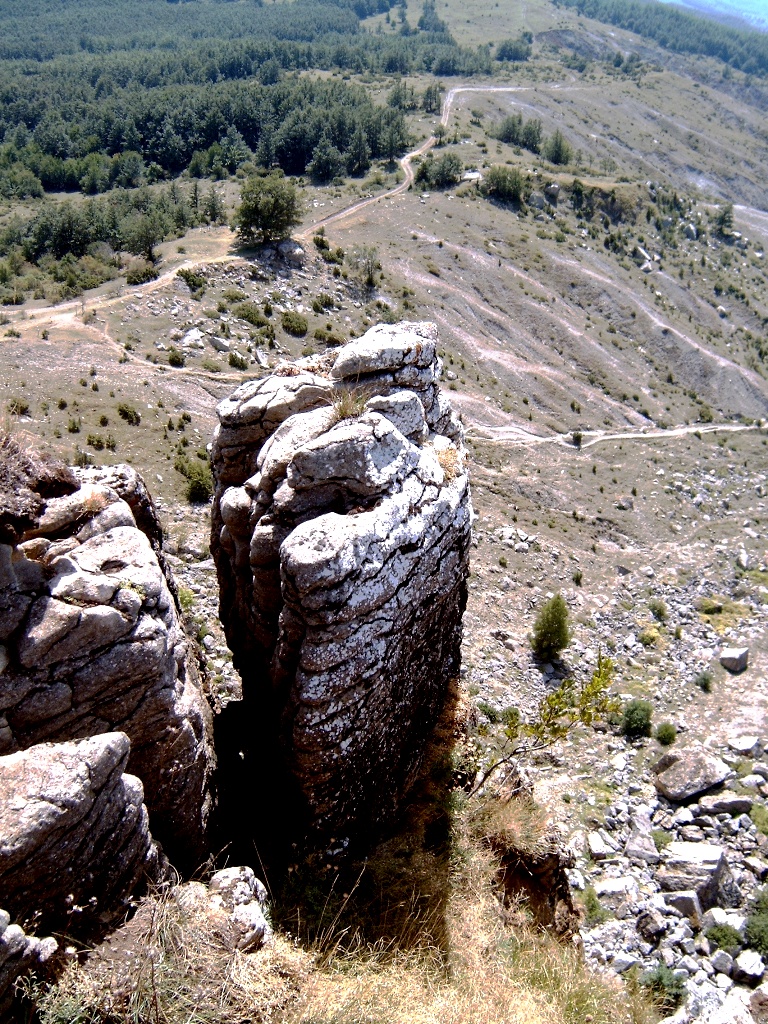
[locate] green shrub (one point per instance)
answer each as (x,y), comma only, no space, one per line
(127,412)
(139,272)
(238,361)
(757,931)
(666,986)
(594,912)
(661,838)
(73,426)
(175,357)
(251,313)
(195,282)
(233,295)
(649,637)
(198,477)
(724,936)
(95,441)
(186,599)
(704,681)
(577,576)
(294,323)
(666,734)
(759,814)
(18,407)
(550,630)
(636,719)
(658,609)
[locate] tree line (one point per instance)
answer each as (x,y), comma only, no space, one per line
(677,30)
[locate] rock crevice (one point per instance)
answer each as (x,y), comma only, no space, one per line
(341,531)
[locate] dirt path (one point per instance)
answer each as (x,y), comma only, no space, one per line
(406,161)
(592,437)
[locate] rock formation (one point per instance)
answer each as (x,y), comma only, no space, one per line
(91,637)
(74,837)
(341,530)
(19,954)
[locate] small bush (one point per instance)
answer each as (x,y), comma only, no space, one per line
(704,681)
(726,937)
(233,295)
(636,719)
(661,838)
(81,459)
(577,437)
(195,282)
(139,272)
(666,986)
(127,412)
(294,323)
(594,912)
(577,576)
(757,932)
(18,407)
(666,734)
(550,630)
(96,441)
(648,637)
(658,609)
(211,365)
(73,426)
(759,814)
(186,599)
(251,313)
(175,357)
(238,361)
(198,477)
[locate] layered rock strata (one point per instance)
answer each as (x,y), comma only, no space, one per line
(74,835)
(341,532)
(91,639)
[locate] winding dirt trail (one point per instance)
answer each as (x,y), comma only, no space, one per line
(407,161)
(71,315)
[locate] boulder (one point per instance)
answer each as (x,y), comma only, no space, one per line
(74,836)
(93,642)
(342,551)
(748,967)
(700,868)
(735,659)
(725,803)
(683,774)
(687,902)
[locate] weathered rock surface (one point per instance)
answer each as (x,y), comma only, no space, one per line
(74,836)
(341,530)
(700,868)
(92,642)
(19,955)
(682,774)
(735,659)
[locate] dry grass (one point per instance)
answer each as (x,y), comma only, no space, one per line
(175,964)
(347,403)
(450,462)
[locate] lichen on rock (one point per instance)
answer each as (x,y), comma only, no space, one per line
(341,532)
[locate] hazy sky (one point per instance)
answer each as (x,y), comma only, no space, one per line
(755,11)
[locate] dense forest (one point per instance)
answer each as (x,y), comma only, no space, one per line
(676,29)
(204,85)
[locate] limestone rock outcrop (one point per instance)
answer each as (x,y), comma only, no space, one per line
(74,835)
(91,640)
(19,955)
(341,532)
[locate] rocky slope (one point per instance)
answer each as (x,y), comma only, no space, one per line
(341,530)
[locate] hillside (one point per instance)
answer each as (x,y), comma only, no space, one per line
(585,221)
